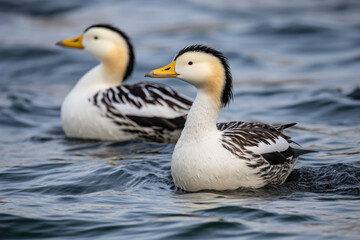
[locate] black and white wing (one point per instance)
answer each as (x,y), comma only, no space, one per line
(144,104)
(263,147)
(243,138)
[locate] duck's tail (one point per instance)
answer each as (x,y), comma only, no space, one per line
(299,151)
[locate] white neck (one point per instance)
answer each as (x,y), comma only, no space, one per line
(98,79)
(109,73)
(202,116)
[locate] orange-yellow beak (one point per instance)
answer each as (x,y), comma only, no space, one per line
(165,72)
(72,42)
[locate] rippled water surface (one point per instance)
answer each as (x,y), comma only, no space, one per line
(292,61)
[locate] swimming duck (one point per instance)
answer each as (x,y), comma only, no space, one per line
(224,156)
(100,107)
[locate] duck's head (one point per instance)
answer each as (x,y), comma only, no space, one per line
(107,44)
(202,66)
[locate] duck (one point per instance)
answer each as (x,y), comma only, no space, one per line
(101,107)
(229,155)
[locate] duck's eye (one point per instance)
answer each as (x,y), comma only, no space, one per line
(190,63)
(96,37)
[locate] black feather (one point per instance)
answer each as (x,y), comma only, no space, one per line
(158,122)
(274,158)
(288,125)
(298,152)
(131,63)
(227,90)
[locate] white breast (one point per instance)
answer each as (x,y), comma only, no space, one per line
(81,119)
(206,164)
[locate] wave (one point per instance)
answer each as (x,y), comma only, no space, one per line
(39,7)
(339,178)
(340,109)
(289,29)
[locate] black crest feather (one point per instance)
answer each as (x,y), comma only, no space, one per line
(130,66)
(227,91)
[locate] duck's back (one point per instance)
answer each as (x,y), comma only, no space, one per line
(143,111)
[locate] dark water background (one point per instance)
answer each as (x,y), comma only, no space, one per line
(292,61)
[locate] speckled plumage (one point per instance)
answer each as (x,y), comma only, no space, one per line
(148,111)
(243,138)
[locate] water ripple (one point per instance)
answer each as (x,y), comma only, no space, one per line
(292,61)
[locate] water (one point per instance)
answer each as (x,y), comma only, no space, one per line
(292,61)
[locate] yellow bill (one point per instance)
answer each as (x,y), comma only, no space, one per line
(72,42)
(165,72)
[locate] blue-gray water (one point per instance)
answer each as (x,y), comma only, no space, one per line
(292,61)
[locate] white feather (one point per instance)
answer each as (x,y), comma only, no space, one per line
(149,110)
(279,145)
